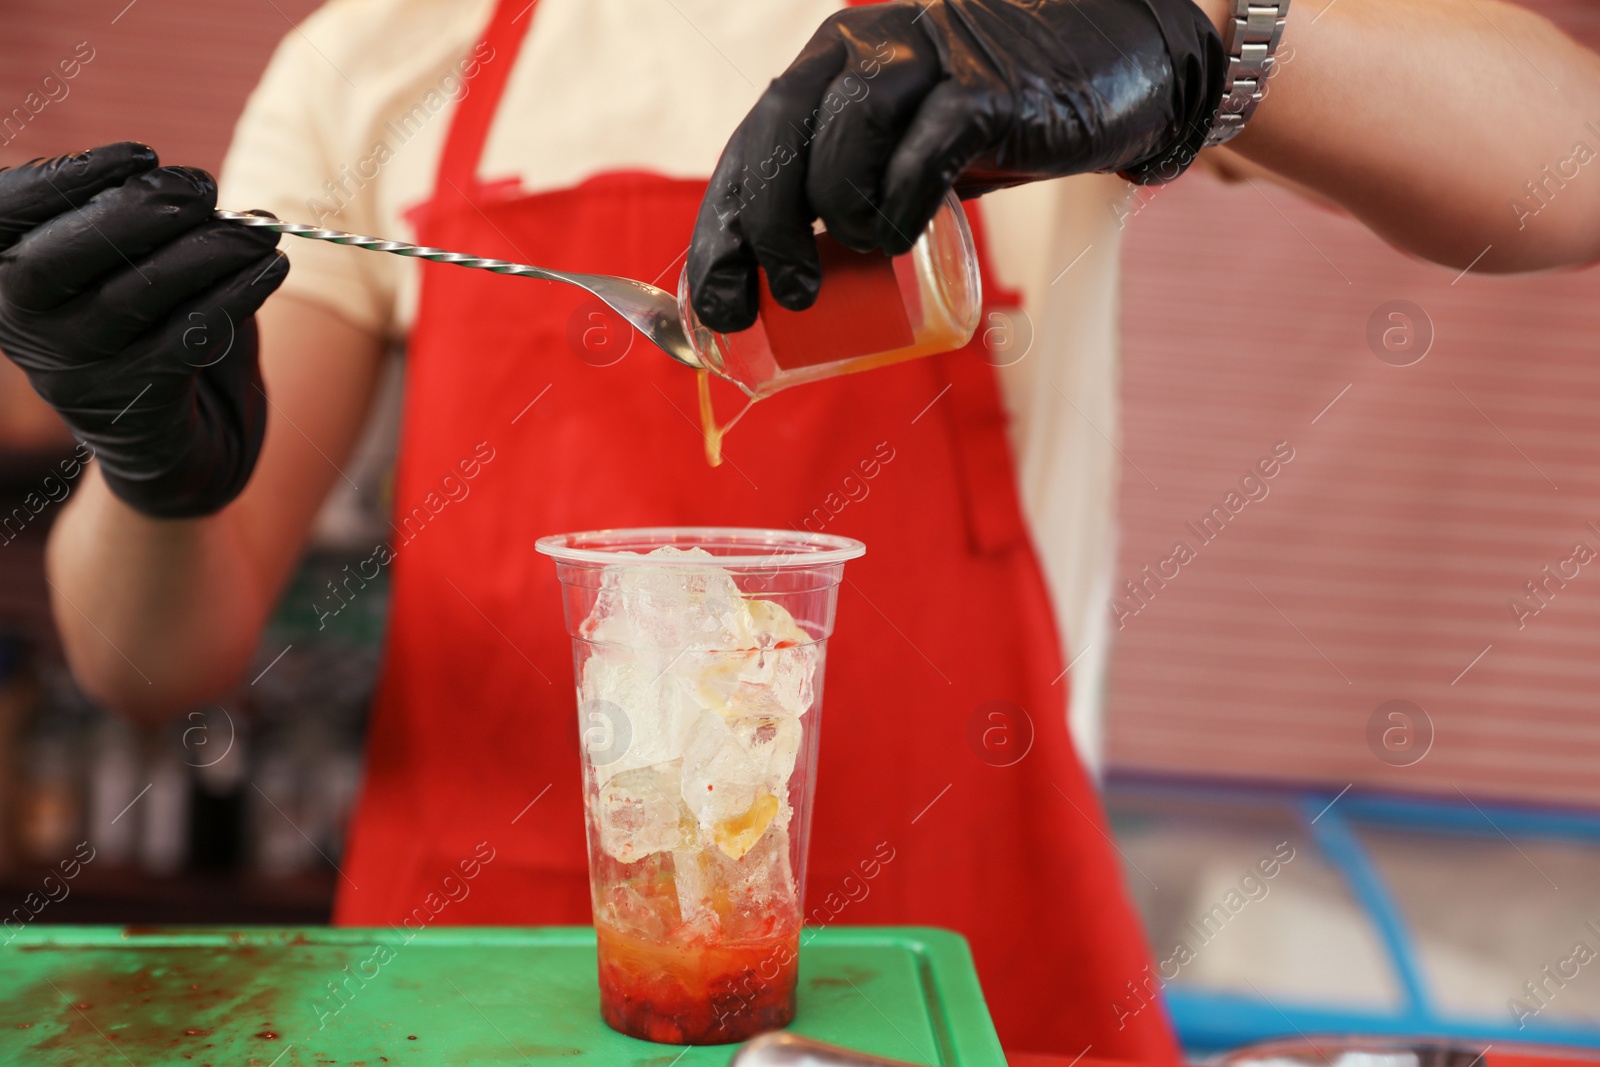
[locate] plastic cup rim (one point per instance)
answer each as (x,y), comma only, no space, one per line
(784,549)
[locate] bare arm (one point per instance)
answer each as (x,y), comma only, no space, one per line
(1432,122)
(157,615)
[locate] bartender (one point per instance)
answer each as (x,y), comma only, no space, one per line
(580,134)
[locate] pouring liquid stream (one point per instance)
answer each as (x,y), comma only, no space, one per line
(710,431)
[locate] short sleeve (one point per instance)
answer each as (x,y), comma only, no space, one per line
(296,153)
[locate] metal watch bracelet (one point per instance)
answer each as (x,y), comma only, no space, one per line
(1253,34)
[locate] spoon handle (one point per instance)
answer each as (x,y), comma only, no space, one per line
(651,311)
(399,248)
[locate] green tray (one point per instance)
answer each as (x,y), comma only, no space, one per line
(260,996)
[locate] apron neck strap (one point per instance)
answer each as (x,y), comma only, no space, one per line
(469,130)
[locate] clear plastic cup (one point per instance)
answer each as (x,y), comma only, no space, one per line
(872,310)
(698,654)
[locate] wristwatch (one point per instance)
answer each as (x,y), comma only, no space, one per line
(1252,37)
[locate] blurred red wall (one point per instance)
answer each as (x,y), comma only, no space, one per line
(172,73)
(1381,565)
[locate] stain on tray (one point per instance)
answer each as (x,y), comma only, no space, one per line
(845,979)
(156,999)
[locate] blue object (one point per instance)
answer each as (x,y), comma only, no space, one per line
(1209,1021)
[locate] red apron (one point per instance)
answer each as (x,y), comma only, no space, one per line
(507,436)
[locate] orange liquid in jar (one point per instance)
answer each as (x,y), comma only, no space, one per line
(872,311)
(924,320)
(929,341)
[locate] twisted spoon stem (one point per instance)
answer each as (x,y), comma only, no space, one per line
(399,248)
(653,312)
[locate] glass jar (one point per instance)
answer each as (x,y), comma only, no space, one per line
(872,310)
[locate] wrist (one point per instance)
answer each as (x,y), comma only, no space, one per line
(1218,11)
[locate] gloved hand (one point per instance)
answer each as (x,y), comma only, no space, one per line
(891,104)
(130,309)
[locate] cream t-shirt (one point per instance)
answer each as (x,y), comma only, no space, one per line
(346,129)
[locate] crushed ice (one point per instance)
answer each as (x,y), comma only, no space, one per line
(714,686)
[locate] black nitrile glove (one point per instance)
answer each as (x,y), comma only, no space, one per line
(130,309)
(891,104)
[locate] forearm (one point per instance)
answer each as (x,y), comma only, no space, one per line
(155,615)
(1432,121)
